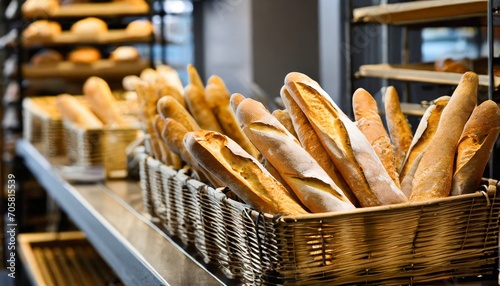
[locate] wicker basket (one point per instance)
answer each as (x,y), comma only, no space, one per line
(99,147)
(42,125)
(391,245)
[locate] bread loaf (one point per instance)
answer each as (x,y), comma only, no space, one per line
(89,26)
(199,108)
(399,129)
(171,77)
(306,178)
(173,135)
(102,102)
(39,8)
(433,177)
(168,107)
(129,82)
(244,175)
(284,118)
(125,54)
(348,148)
(139,27)
(423,135)
(42,29)
(218,99)
(194,77)
(46,57)
(75,111)
(310,141)
(369,122)
(84,55)
(475,146)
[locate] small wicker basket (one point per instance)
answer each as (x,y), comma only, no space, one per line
(392,245)
(99,147)
(42,125)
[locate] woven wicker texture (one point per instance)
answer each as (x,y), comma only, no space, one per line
(390,245)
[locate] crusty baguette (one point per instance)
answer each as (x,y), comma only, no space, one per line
(75,111)
(284,118)
(311,142)
(235,100)
(244,175)
(399,129)
(171,77)
(199,108)
(102,102)
(194,77)
(304,175)
(170,158)
(423,135)
(369,122)
(348,148)
(433,177)
(168,107)
(129,82)
(218,99)
(475,147)
(173,135)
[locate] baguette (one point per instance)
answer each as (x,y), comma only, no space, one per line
(170,158)
(399,129)
(310,141)
(171,77)
(101,101)
(423,135)
(433,177)
(75,111)
(244,175)
(348,148)
(475,146)
(173,135)
(194,77)
(168,107)
(199,109)
(304,175)
(284,118)
(218,98)
(369,122)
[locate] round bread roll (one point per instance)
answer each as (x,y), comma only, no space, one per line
(124,54)
(139,28)
(46,57)
(42,29)
(89,26)
(32,8)
(84,55)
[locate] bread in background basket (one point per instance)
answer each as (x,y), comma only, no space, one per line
(95,133)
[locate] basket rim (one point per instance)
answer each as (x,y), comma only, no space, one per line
(77,127)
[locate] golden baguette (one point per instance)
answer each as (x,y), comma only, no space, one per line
(168,107)
(348,148)
(304,175)
(171,77)
(102,102)
(399,129)
(173,135)
(369,122)
(218,98)
(423,135)
(433,177)
(244,175)
(475,147)
(75,111)
(310,141)
(284,118)
(199,108)
(170,158)
(194,77)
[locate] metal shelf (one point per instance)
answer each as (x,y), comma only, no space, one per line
(110,215)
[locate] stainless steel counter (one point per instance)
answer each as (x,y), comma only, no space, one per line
(110,214)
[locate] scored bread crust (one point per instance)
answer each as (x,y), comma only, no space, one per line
(306,178)
(347,146)
(284,118)
(433,177)
(310,141)
(475,146)
(423,135)
(241,173)
(399,129)
(369,122)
